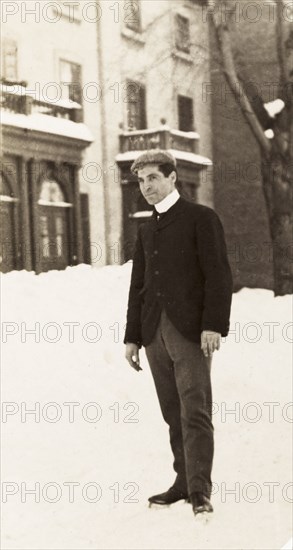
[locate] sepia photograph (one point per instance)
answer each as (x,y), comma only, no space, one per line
(146,274)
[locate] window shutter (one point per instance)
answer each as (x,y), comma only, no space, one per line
(185,113)
(76,91)
(142,108)
(71,80)
(182,33)
(136,106)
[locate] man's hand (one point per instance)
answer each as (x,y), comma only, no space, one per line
(132,356)
(209,342)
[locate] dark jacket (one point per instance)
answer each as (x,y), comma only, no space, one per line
(180,264)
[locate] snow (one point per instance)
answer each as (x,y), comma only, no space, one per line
(49,124)
(269,133)
(191,157)
(17,89)
(55,203)
(288,545)
(6,198)
(116,435)
(163,128)
(274,107)
(142,214)
(179,155)
(190,135)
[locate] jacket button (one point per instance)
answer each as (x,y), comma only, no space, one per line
(156,252)
(158,293)
(157,272)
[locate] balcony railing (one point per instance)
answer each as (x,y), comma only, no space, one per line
(160,138)
(16,99)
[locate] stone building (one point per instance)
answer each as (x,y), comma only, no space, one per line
(50,209)
(89,87)
(153,61)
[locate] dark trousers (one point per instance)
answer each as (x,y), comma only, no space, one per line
(182,378)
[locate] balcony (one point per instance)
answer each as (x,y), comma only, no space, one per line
(17,99)
(25,110)
(183,145)
(160,138)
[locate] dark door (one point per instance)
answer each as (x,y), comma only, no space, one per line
(54,226)
(8,253)
(54,237)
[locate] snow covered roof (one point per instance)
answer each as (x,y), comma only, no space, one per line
(179,155)
(48,124)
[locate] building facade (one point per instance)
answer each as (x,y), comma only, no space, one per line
(51,198)
(90,86)
(154,58)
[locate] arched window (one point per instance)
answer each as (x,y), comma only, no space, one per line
(51,192)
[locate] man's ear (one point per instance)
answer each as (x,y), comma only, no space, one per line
(173,177)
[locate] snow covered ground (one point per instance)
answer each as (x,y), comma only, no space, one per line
(97,447)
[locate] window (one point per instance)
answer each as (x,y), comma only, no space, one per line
(45,239)
(9,61)
(53,224)
(185,113)
(60,230)
(182,33)
(51,192)
(71,82)
(136,106)
(132,15)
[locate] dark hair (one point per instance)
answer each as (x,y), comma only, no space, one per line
(167,168)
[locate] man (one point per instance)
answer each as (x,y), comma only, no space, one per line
(178,308)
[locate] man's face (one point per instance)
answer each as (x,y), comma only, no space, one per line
(153,184)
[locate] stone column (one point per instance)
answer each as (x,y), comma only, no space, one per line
(26,239)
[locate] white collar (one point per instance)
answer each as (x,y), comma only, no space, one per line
(167,202)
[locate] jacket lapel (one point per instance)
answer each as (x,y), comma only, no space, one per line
(171,215)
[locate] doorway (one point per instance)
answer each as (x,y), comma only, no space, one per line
(54,226)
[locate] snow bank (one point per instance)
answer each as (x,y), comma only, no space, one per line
(98,425)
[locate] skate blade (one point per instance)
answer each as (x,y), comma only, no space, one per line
(162,506)
(203,518)
(158,506)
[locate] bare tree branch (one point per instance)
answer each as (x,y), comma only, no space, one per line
(281,49)
(224,42)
